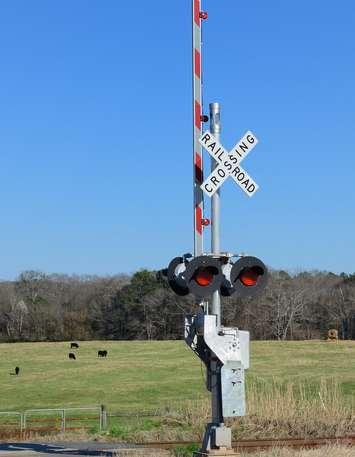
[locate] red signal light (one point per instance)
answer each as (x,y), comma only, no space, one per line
(249,276)
(203,277)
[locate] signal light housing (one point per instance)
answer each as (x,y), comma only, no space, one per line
(200,276)
(204,276)
(175,276)
(247,277)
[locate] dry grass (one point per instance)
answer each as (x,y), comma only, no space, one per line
(329,451)
(143,453)
(296,410)
(275,410)
(334,451)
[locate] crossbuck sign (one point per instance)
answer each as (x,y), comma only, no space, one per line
(229,163)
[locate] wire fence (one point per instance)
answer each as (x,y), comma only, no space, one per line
(70,419)
(52,420)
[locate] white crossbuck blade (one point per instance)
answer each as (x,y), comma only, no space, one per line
(229,163)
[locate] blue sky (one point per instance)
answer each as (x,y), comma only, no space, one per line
(95,132)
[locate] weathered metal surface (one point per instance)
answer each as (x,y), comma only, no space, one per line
(226,342)
(233,389)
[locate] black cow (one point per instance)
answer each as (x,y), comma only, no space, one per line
(72,356)
(74,345)
(17,370)
(102,353)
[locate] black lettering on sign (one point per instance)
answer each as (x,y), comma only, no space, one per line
(243,147)
(214,180)
(220,155)
(221,173)
(206,137)
(236,150)
(233,158)
(245,183)
(240,177)
(251,188)
(208,188)
(228,165)
(236,171)
(211,146)
(250,139)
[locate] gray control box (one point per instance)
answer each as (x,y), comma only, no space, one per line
(233,389)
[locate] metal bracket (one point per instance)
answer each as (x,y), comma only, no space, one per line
(229,344)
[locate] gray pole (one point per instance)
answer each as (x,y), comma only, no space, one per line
(217,417)
(215,127)
(217,435)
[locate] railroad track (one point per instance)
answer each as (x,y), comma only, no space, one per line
(246,446)
(256,445)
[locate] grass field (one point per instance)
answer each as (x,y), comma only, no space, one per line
(142,375)
(165,376)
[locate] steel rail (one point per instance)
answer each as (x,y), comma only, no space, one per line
(254,445)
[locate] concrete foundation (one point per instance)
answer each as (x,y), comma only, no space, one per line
(221,452)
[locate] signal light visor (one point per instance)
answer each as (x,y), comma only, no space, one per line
(204,276)
(250,276)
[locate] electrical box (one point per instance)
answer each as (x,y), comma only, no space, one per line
(233,389)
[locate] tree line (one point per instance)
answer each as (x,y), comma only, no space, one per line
(41,307)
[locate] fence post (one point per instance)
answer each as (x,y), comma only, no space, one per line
(103,418)
(22,423)
(63,421)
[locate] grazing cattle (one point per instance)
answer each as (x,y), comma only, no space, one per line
(17,370)
(74,345)
(102,353)
(72,356)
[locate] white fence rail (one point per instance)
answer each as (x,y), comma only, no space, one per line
(10,415)
(64,417)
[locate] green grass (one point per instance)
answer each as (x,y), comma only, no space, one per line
(185,451)
(310,361)
(150,376)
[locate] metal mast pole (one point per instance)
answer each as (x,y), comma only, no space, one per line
(215,366)
(215,127)
(197,15)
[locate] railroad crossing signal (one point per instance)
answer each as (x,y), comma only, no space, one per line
(203,275)
(200,276)
(229,163)
(246,277)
